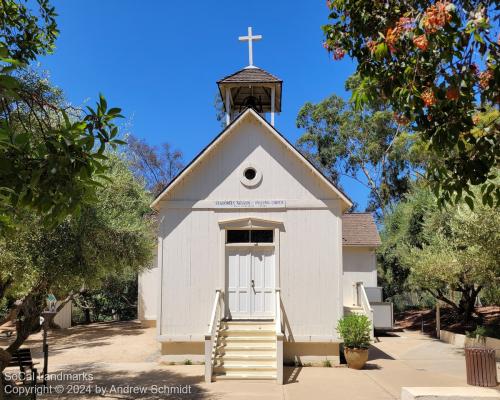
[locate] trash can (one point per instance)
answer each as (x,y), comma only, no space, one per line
(481,366)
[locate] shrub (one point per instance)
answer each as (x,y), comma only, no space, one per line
(355,331)
(188,362)
(327,364)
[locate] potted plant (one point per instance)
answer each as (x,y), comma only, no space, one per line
(355,331)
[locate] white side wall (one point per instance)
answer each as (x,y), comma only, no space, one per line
(63,317)
(149,289)
(360,265)
(192,246)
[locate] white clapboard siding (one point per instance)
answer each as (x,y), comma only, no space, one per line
(218,176)
(310,251)
(148,289)
(360,265)
(63,317)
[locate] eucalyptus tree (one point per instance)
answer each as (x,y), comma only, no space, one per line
(366,145)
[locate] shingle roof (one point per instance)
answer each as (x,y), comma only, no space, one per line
(253,74)
(359,229)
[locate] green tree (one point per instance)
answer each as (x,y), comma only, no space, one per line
(436,65)
(115,299)
(367,146)
(50,154)
(402,227)
(111,237)
(444,251)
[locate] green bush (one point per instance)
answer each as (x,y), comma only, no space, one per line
(482,332)
(355,330)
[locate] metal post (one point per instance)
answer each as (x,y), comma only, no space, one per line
(438,319)
(273,89)
(228,106)
(45,355)
(47,317)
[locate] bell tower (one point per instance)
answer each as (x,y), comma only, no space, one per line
(251,87)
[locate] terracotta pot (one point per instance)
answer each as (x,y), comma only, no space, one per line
(356,358)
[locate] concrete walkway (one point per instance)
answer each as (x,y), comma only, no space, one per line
(123,357)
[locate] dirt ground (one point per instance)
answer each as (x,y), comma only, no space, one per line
(426,320)
(121,361)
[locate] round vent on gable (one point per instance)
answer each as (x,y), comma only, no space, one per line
(250,176)
(250,173)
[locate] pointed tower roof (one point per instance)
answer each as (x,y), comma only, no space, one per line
(250,74)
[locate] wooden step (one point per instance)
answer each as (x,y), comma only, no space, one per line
(248,326)
(245,350)
(246,356)
(244,376)
(239,339)
(244,367)
(247,332)
(248,322)
(247,347)
(353,310)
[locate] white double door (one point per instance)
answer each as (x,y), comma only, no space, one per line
(250,283)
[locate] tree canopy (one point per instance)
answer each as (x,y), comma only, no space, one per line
(50,153)
(436,65)
(365,145)
(442,251)
(112,237)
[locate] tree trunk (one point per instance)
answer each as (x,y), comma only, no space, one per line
(27,322)
(467,303)
(86,314)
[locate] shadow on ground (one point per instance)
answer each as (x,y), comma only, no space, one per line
(84,336)
(374,353)
(127,385)
(290,374)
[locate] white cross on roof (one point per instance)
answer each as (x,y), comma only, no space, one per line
(250,38)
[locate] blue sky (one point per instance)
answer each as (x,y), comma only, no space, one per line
(160,60)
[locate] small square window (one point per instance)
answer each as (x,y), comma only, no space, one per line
(261,236)
(238,236)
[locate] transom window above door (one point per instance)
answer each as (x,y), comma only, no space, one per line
(249,236)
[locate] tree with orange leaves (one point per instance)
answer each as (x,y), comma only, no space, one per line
(436,65)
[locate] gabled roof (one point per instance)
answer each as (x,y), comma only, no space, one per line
(250,75)
(359,229)
(226,132)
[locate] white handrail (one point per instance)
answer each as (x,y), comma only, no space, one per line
(277,318)
(211,335)
(214,312)
(279,338)
(365,304)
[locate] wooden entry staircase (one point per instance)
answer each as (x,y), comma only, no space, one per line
(245,350)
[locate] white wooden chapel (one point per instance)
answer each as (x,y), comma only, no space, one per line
(251,270)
